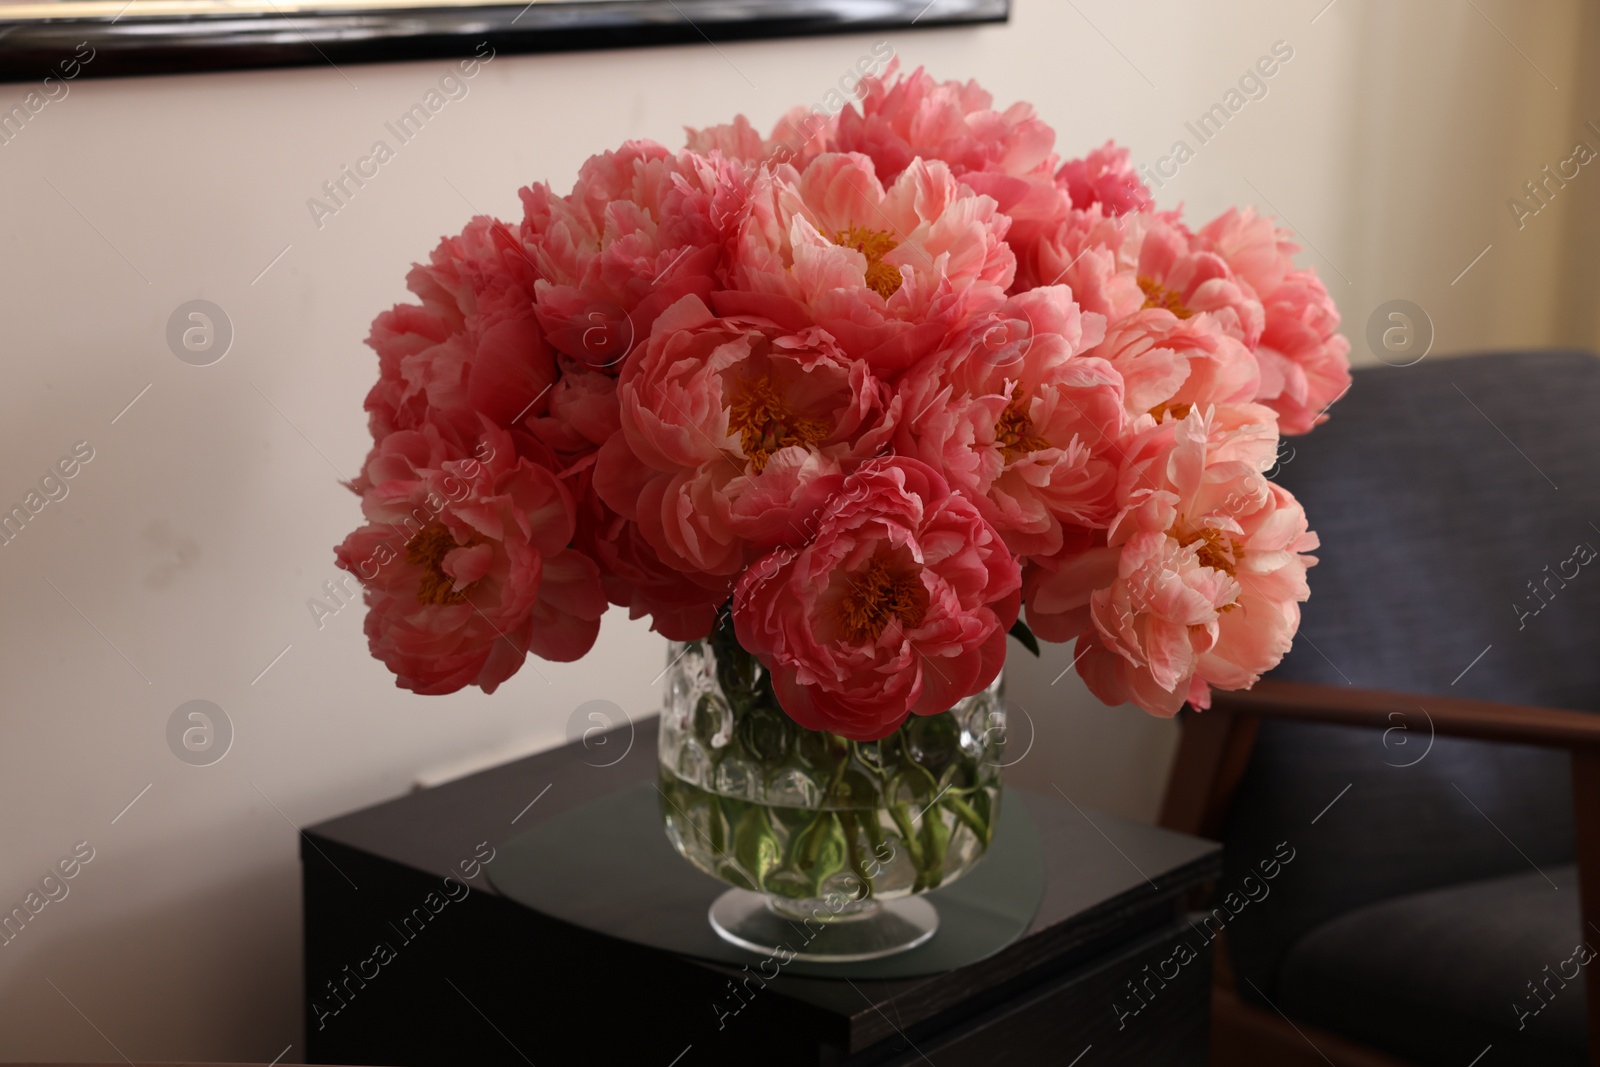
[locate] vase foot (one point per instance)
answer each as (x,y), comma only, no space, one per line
(746,919)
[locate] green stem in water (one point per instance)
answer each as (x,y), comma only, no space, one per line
(847,819)
(964,812)
(935,840)
(901,814)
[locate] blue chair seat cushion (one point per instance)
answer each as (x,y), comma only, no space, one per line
(1438,976)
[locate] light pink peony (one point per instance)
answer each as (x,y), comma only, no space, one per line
(888,273)
(465,562)
(1006,155)
(1083,251)
(900,604)
(733,433)
(799,137)
(1171,364)
(1117,266)
(1176,273)
(1201,575)
(1305,361)
(1017,419)
(1253,246)
(902,118)
(1105,177)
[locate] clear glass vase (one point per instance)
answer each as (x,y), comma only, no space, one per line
(827,841)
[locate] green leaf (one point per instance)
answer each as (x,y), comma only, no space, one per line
(754,846)
(1020,631)
(825,852)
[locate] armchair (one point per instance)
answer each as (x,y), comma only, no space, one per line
(1429,748)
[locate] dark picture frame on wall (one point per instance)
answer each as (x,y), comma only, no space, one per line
(64,39)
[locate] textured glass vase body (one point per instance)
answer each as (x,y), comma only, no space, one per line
(813,821)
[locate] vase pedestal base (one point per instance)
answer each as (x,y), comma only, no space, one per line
(755,922)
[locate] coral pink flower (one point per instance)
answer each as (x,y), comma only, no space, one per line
(1083,251)
(1305,361)
(465,562)
(727,427)
(1106,177)
(633,575)
(473,346)
(1018,420)
(1253,246)
(580,413)
(907,117)
(1205,562)
(1177,273)
(799,137)
(1305,364)
(886,273)
(1171,364)
(1005,155)
(899,604)
(642,228)
(1119,265)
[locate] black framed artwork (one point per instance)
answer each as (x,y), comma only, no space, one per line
(45,40)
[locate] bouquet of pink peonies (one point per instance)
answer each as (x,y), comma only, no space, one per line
(876,385)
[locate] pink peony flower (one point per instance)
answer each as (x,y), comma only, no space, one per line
(473,346)
(1176,273)
(1172,364)
(633,575)
(1105,177)
(465,562)
(1305,361)
(580,414)
(1118,266)
(1253,246)
(642,228)
(1083,251)
(1200,576)
(733,433)
(899,604)
(1005,155)
(1020,421)
(1305,364)
(905,117)
(886,273)
(799,137)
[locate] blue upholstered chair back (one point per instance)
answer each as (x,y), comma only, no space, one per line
(1452,498)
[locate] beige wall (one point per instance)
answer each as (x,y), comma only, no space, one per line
(192,541)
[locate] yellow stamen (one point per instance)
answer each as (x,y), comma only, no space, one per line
(1158,296)
(882,278)
(1177,411)
(766,423)
(1217,550)
(877,595)
(1014,432)
(427,550)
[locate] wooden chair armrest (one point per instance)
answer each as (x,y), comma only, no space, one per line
(1452,716)
(1216,745)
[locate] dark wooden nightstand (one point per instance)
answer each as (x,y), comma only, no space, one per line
(478,979)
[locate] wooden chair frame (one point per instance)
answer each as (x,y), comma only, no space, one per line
(1215,750)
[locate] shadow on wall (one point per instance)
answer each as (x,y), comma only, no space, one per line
(1113,760)
(113,987)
